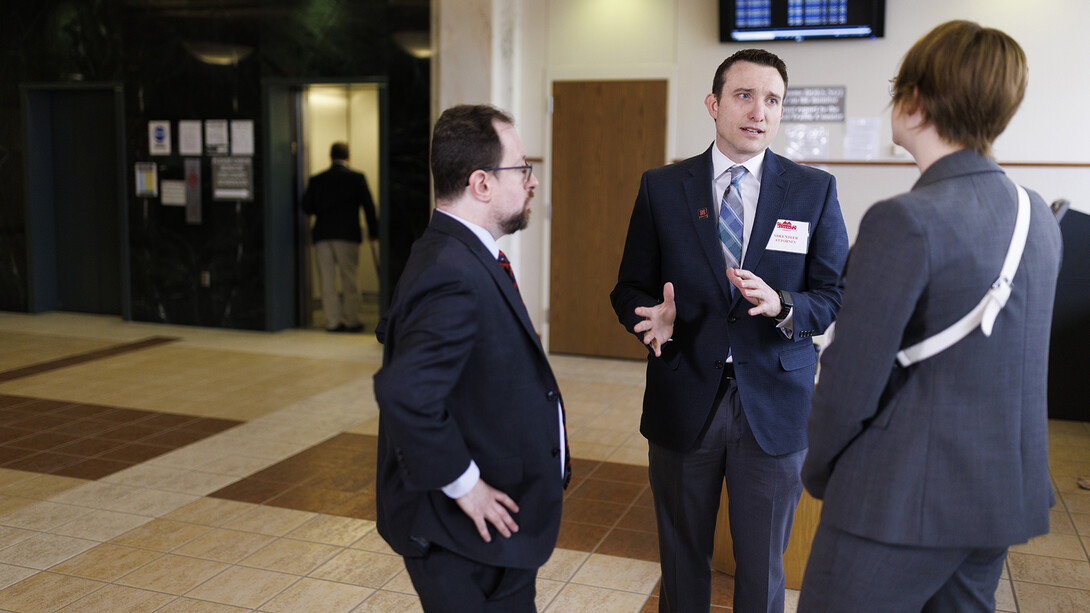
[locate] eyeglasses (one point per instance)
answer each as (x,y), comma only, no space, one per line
(527,170)
(893,86)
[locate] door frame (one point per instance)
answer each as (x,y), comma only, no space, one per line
(285,224)
(40,209)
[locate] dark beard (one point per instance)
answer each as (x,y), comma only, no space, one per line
(515,223)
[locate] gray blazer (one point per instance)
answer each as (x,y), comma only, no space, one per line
(951,451)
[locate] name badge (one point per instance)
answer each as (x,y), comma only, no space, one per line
(789,236)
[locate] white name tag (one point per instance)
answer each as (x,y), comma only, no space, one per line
(789,236)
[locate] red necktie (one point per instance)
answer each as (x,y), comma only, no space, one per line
(563,414)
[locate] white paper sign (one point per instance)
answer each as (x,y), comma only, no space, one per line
(789,236)
(189,137)
(159,137)
(173,192)
(215,136)
(242,137)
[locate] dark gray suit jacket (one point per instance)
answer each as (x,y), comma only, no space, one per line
(951,451)
(464,377)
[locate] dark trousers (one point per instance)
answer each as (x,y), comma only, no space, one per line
(763,492)
(449,583)
(848,574)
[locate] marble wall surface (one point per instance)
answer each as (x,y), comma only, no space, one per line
(154,49)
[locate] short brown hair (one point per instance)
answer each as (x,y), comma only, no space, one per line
(754,56)
(464,140)
(339,151)
(969,81)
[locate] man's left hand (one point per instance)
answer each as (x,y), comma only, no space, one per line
(766,300)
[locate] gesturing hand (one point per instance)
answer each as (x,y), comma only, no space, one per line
(756,291)
(658,323)
(485,503)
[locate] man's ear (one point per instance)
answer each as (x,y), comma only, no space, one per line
(712,102)
(479,186)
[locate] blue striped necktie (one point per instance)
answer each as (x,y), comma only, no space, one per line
(730,219)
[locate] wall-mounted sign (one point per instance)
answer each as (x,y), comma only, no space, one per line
(147,179)
(242,137)
(814,104)
(173,192)
(215,137)
(189,137)
(193,191)
(232,178)
(159,137)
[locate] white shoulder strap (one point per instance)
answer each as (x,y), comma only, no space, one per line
(986,311)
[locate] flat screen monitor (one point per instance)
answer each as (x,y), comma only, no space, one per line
(765,20)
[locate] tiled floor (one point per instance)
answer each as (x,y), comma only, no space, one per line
(161,468)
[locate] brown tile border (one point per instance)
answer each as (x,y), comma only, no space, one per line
(89,356)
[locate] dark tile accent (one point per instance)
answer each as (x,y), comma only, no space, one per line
(288,472)
(167,421)
(9,435)
(86,427)
(90,447)
(129,433)
(210,425)
(42,462)
(173,438)
(360,506)
(621,472)
(593,512)
(97,354)
(122,416)
(633,544)
(608,491)
(93,468)
(639,518)
(252,490)
(82,411)
(39,423)
(134,453)
(11,454)
(306,498)
(43,441)
(580,537)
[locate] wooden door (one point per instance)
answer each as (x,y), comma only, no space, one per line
(605,135)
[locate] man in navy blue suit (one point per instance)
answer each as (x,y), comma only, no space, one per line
(472,451)
(729,268)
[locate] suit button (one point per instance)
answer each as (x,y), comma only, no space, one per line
(556,452)
(732,319)
(719,364)
(551,395)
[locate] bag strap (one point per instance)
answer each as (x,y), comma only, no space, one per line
(988,309)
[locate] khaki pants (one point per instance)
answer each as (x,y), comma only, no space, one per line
(332,255)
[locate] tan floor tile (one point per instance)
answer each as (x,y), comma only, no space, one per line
(95,494)
(591,451)
(101,525)
(106,562)
(317,595)
(270,520)
(42,515)
(118,599)
(42,551)
(13,574)
(161,535)
(1053,545)
(333,530)
(1082,523)
(235,465)
(146,475)
(546,592)
(189,605)
(224,545)
(1004,597)
(360,568)
(390,602)
(401,583)
(373,541)
(1036,598)
(291,556)
(587,599)
(1052,571)
(194,482)
(1059,522)
(368,427)
(172,574)
(152,503)
(10,536)
(42,487)
(243,587)
(210,511)
(10,504)
(9,476)
(562,564)
(618,574)
(45,592)
(1077,501)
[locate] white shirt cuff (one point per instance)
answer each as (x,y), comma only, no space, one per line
(786,325)
(461,486)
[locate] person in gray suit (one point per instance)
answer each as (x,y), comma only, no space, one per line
(929,472)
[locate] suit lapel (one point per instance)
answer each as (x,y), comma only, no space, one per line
(443,223)
(700,208)
(774,187)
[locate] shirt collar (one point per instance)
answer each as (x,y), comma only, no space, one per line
(484,235)
(721,163)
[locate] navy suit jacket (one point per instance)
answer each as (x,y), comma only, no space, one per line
(464,377)
(334,197)
(673,236)
(951,451)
